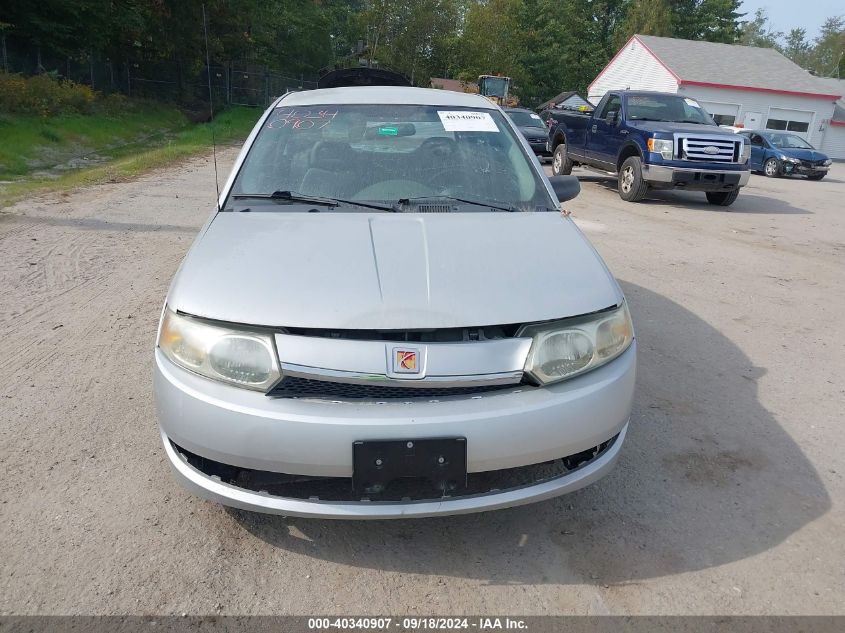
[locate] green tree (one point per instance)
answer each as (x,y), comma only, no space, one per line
(797,48)
(828,56)
(414,38)
(647,17)
(718,21)
(758,31)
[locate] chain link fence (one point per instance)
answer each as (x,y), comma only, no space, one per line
(235,83)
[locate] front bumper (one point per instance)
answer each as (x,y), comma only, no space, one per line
(664,176)
(803,170)
(507,429)
(540,148)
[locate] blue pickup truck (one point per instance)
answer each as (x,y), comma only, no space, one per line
(651,140)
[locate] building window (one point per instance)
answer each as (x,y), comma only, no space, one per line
(724,119)
(792,126)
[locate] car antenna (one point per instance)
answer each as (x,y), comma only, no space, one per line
(211,110)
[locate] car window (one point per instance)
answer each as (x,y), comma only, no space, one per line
(389,152)
(788,141)
(756,140)
(524,119)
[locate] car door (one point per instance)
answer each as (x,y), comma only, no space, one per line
(758,151)
(605,137)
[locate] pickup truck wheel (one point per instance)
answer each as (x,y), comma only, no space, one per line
(632,187)
(561,165)
(722,198)
(771,168)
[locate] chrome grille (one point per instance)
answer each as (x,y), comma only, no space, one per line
(712,149)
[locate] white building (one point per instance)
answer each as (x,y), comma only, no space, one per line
(755,88)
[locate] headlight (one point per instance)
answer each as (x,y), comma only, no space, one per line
(564,349)
(827,163)
(664,147)
(746,152)
(239,357)
(789,159)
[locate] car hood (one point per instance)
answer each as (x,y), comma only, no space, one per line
(679,128)
(802,154)
(391,271)
(533,131)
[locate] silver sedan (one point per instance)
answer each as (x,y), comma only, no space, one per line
(388,316)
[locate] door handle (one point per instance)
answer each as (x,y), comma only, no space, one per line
(623,131)
(594,128)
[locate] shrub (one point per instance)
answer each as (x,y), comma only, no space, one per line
(43,95)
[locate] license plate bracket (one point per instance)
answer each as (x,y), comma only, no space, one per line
(378,463)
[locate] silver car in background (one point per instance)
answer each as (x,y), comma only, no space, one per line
(389,317)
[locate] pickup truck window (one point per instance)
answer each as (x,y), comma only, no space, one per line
(666,108)
(613,104)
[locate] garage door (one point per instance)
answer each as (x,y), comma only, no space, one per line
(833,143)
(723,113)
(784,120)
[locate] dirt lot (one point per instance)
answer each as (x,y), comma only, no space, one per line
(729,496)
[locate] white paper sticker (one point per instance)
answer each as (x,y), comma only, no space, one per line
(691,102)
(466,121)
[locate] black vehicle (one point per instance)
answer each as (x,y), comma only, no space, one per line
(531,126)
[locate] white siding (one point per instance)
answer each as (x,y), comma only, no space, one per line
(833,143)
(633,68)
(818,111)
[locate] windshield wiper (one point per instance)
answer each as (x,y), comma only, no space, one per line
(408,201)
(283,197)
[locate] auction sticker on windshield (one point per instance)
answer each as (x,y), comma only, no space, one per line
(465,121)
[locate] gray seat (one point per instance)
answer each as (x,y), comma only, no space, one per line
(331,172)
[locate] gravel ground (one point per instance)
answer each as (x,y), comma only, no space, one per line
(728,497)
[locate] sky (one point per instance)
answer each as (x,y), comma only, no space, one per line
(785,15)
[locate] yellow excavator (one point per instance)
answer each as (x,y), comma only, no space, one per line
(497,89)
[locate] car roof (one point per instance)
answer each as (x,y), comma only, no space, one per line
(765,132)
(646,93)
(385,95)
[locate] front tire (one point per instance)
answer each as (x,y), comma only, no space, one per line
(722,198)
(632,187)
(561,164)
(771,168)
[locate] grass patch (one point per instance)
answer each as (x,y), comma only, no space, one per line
(35,150)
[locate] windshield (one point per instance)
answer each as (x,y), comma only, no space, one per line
(669,108)
(387,153)
(525,119)
(788,141)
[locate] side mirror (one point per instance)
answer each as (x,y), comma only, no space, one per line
(612,117)
(566,187)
